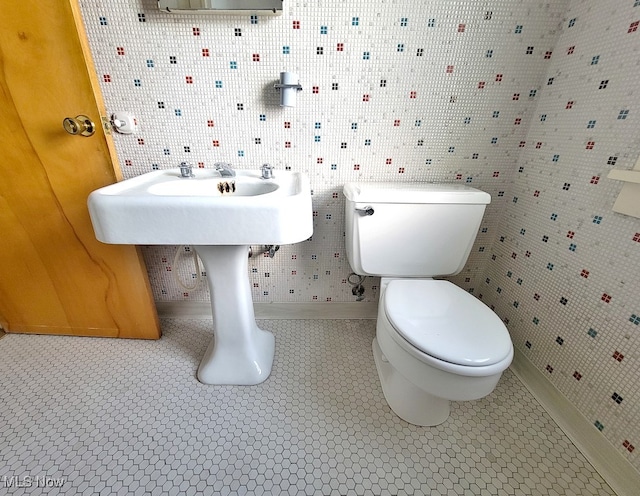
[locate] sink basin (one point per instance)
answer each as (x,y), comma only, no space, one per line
(220,217)
(161,207)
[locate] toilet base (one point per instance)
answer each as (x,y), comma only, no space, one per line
(408,401)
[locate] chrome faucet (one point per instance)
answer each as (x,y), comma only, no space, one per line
(225,169)
(267,171)
(186,170)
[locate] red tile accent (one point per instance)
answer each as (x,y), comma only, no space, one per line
(594,179)
(195,31)
(618,356)
(296,24)
(481,85)
(570,234)
(340,47)
(449,69)
(461,28)
(205,52)
(584,273)
(498,77)
(633,27)
(605,297)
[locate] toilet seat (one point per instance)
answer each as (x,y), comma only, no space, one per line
(445,322)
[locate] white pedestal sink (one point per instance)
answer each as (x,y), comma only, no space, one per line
(220,217)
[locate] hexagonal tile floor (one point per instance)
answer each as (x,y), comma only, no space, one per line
(105,416)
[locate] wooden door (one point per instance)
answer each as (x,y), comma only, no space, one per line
(55,277)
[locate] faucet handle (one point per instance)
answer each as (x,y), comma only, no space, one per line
(186,170)
(267,171)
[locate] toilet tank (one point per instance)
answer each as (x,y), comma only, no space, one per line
(415,230)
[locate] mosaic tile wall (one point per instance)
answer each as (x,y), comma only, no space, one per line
(531,101)
(565,271)
(393,91)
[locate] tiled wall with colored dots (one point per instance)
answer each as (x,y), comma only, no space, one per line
(533,102)
(564,273)
(392,91)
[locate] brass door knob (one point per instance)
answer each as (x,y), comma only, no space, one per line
(79,125)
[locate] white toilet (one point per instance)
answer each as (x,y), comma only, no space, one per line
(434,341)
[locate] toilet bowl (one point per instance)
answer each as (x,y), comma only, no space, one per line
(436,343)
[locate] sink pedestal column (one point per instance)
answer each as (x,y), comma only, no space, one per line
(240,352)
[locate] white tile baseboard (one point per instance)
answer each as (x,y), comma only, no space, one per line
(275,311)
(608,462)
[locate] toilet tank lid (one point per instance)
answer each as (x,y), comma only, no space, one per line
(414,193)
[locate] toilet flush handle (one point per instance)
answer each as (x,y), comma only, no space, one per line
(367,210)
